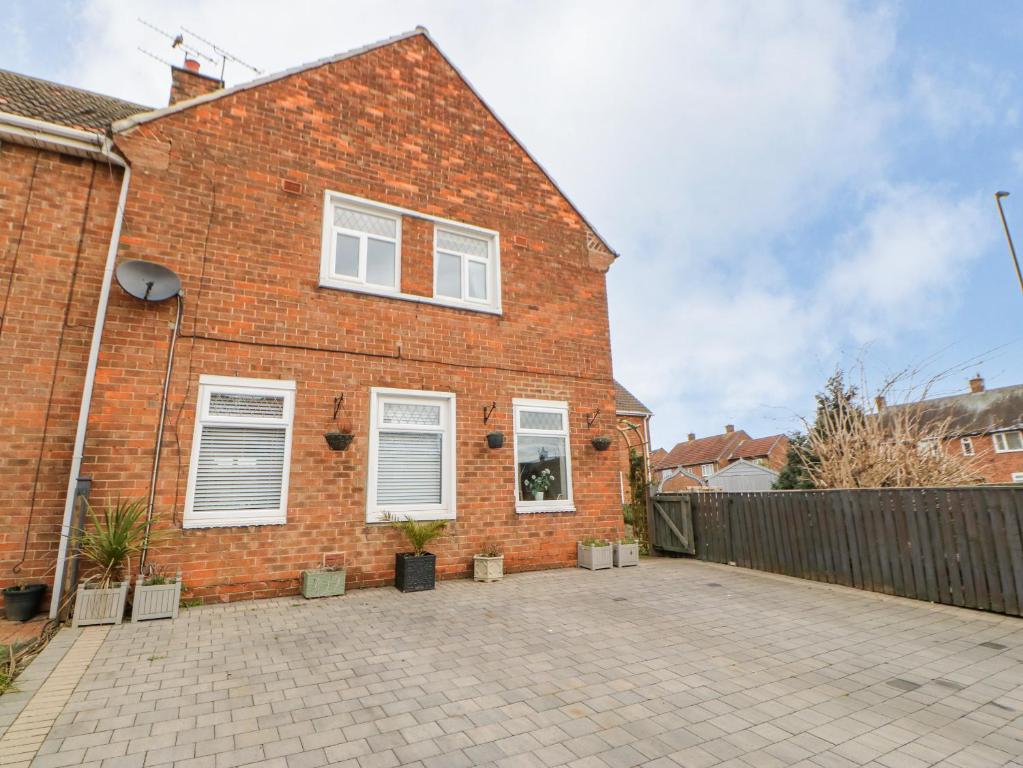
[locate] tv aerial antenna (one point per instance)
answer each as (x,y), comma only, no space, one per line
(203,49)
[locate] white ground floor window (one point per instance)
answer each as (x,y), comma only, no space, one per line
(543,460)
(241,453)
(411,455)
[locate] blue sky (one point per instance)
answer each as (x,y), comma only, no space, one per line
(792,185)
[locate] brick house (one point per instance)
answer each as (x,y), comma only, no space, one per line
(360,231)
(983,425)
(633,422)
(696,459)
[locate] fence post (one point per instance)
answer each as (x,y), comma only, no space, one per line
(651,549)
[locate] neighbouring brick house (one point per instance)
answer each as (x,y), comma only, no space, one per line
(690,463)
(983,425)
(362,226)
(633,422)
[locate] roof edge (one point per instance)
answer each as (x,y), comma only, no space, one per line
(133,121)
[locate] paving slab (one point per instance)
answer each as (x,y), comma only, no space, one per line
(673,663)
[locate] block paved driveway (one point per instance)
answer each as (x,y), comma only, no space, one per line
(672,663)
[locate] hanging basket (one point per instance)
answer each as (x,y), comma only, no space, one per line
(338,441)
(601,443)
(495,439)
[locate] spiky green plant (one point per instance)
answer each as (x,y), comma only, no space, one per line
(115,535)
(418,532)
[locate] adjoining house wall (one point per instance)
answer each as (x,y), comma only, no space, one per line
(56,216)
(208,200)
(992,467)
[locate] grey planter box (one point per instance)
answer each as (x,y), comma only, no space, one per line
(323,583)
(155,601)
(626,554)
(100,606)
(594,558)
(487,568)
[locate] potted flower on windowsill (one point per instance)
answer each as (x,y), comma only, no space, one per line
(488,565)
(21,600)
(539,483)
(114,537)
(416,571)
(594,554)
(626,552)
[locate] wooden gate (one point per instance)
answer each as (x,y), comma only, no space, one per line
(672,523)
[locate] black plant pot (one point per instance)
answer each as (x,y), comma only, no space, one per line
(495,439)
(23,604)
(601,443)
(338,441)
(415,573)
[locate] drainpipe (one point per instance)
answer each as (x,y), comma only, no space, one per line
(90,379)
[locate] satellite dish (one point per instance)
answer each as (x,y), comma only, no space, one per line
(148,281)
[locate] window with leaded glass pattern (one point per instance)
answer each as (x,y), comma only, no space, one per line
(543,461)
(362,246)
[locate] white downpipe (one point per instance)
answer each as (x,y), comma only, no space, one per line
(90,378)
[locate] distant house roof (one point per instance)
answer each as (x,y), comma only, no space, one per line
(61,104)
(705,450)
(628,403)
(973,413)
(656,455)
(756,447)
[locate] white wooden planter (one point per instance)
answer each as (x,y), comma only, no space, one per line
(323,582)
(487,568)
(156,601)
(594,558)
(626,554)
(100,606)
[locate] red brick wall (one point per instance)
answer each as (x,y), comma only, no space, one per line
(991,466)
(629,440)
(397,126)
(56,214)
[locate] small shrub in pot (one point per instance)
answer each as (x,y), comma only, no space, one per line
(626,553)
(488,565)
(325,581)
(156,596)
(110,542)
(594,554)
(416,571)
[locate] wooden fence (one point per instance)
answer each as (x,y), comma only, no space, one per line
(959,546)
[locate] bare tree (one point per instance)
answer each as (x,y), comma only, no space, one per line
(858,442)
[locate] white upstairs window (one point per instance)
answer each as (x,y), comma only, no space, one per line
(967,443)
(707,470)
(464,266)
(241,452)
(1008,441)
(411,455)
(543,459)
(361,246)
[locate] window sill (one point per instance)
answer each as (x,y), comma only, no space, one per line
(533,509)
(201,524)
(393,294)
(378,519)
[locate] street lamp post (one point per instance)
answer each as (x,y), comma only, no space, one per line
(1005,226)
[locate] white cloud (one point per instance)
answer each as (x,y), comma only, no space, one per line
(703,139)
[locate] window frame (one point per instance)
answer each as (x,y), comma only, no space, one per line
(1017,477)
(1004,447)
(208,385)
(529,506)
(329,247)
(706,470)
(447,509)
(464,260)
(967,445)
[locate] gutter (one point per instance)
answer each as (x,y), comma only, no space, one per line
(72,141)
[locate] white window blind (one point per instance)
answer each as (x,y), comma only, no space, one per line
(240,453)
(411,455)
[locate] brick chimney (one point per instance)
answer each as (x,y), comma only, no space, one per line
(880,402)
(187,82)
(692,436)
(977,384)
(729,429)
